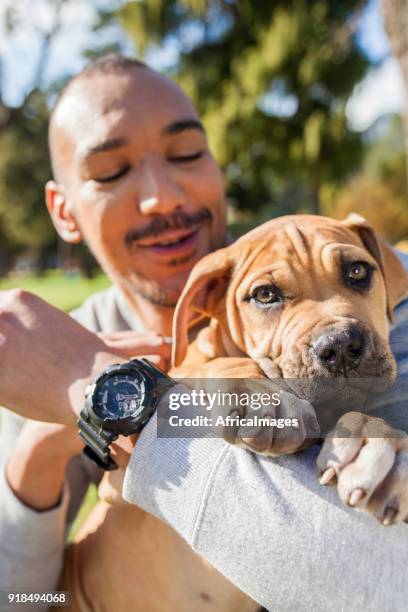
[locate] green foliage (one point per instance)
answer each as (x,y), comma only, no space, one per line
(238,60)
(379,193)
(24,170)
(89,502)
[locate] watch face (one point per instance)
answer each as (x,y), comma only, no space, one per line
(119,397)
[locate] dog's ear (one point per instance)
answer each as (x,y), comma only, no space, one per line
(205,286)
(394,273)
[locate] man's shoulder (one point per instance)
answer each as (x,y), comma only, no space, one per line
(403,257)
(401,311)
(106,311)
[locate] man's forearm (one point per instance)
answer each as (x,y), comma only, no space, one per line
(268,525)
(35,470)
(36,478)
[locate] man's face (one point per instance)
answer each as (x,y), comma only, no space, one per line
(139,180)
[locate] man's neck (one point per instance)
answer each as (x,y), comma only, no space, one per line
(153,317)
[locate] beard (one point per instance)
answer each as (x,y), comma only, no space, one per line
(152,291)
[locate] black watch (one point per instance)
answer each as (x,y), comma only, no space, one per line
(119,402)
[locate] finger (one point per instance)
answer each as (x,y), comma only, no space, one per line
(135,338)
(129,349)
(335,454)
(389,502)
(146,335)
(358,480)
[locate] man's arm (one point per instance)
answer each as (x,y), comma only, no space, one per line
(268,525)
(42,353)
(42,478)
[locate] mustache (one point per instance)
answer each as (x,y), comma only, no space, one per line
(160,224)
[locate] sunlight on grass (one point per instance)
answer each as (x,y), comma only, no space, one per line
(90,500)
(62,290)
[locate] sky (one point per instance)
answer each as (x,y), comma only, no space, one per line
(380,92)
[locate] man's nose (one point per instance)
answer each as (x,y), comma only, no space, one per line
(340,350)
(159,191)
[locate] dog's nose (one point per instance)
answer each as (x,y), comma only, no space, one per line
(340,351)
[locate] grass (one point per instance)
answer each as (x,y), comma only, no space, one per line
(58,288)
(65,292)
(90,500)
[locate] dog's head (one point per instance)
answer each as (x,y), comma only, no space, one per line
(310,296)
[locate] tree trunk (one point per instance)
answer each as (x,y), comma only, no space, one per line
(396,24)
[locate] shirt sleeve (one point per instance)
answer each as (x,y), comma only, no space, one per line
(31,542)
(268,525)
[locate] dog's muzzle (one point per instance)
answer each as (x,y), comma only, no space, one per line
(340,351)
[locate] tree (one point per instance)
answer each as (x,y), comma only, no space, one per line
(271,81)
(24,167)
(396,24)
(14,15)
(376,200)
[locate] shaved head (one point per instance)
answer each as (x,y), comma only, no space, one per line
(107,65)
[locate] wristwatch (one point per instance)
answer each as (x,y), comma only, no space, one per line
(120,401)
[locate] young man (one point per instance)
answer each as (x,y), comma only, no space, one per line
(134,178)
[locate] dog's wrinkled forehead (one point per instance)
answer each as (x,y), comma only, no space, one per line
(299,242)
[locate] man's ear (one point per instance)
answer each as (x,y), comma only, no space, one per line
(204,288)
(394,273)
(61,214)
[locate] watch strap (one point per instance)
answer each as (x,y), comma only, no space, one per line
(97,444)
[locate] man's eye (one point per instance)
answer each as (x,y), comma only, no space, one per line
(180,159)
(266,295)
(112,177)
(358,274)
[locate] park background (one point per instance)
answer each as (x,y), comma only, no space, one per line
(303,102)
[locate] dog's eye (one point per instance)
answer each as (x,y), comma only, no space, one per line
(266,295)
(358,274)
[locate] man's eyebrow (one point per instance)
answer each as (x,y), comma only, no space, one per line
(107,145)
(179,126)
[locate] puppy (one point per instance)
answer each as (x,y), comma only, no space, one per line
(307,297)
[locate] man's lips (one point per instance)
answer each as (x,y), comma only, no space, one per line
(175,242)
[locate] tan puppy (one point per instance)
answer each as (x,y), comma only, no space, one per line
(300,296)
(308,297)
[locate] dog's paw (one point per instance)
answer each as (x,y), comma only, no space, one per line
(368,459)
(275,430)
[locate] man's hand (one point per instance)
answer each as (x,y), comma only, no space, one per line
(111,485)
(140,344)
(46,359)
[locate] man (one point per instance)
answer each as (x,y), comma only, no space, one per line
(135,179)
